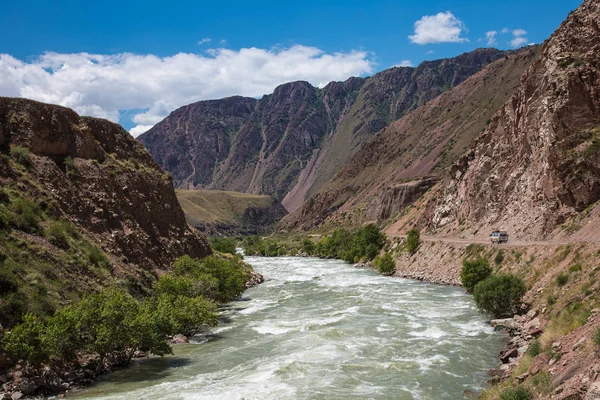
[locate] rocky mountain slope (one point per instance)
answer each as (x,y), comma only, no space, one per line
(401,162)
(216,212)
(538,162)
(290,143)
(82,205)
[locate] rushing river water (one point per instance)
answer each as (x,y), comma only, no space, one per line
(321,329)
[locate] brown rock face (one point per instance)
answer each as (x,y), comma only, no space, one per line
(118,193)
(538,162)
(422,143)
(394,199)
(290,143)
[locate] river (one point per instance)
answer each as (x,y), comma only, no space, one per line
(321,329)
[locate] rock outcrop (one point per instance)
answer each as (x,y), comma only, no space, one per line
(537,163)
(290,143)
(100,179)
(422,143)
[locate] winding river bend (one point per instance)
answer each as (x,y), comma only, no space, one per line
(320,329)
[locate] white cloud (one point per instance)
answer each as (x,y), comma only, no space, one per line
(203,41)
(491,38)
(519,38)
(404,63)
(102,85)
(223,42)
(430,52)
(504,30)
(439,28)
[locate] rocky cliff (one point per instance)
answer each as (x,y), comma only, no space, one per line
(85,204)
(537,163)
(422,143)
(290,143)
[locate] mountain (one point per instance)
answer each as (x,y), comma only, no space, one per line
(537,165)
(82,205)
(217,212)
(290,143)
(406,158)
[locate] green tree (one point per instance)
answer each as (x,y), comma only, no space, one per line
(385,264)
(223,245)
(474,271)
(24,341)
(413,241)
(107,322)
(308,246)
(500,295)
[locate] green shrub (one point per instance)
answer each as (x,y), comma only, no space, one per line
(551,300)
(575,268)
(562,279)
(26,215)
(517,393)
(57,233)
(223,245)
(500,295)
(230,274)
(96,256)
(535,348)
(474,271)
(499,257)
(24,341)
(4,197)
(308,246)
(21,155)
(385,264)
(413,241)
(70,167)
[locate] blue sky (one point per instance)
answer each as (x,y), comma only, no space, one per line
(133,61)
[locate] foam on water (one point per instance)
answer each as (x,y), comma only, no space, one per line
(321,329)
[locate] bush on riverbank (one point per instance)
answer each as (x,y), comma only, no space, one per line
(113,323)
(500,295)
(413,241)
(385,264)
(474,271)
(223,245)
(362,245)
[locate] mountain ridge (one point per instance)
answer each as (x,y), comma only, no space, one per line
(291,142)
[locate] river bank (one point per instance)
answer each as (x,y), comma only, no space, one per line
(554,341)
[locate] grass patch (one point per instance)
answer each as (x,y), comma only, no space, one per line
(562,279)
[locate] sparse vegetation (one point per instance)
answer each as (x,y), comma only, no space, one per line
(499,257)
(21,155)
(562,279)
(517,393)
(596,337)
(413,241)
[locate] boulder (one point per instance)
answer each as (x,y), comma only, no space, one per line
(506,322)
(16,396)
(507,355)
(180,339)
(28,386)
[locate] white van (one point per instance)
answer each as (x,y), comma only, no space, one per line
(499,237)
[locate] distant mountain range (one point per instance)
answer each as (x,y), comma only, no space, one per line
(290,143)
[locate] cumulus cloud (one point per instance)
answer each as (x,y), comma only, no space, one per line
(519,38)
(102,85)
(205,40)
(491,38)
(404,63)
(443,27)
